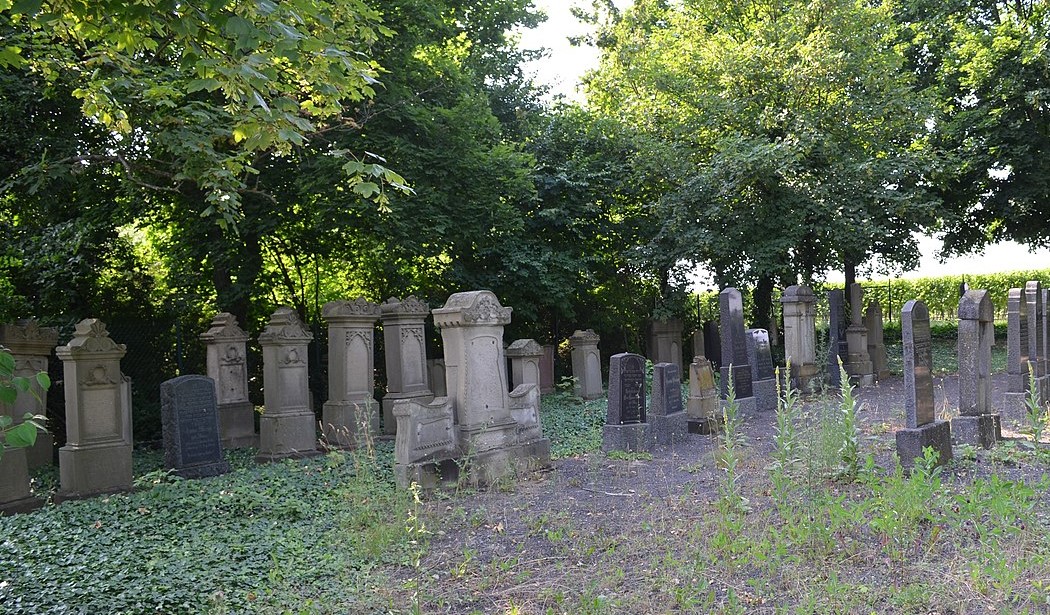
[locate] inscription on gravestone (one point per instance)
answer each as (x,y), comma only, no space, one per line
(918,360)
(191,427)
(670,391)
(627,389)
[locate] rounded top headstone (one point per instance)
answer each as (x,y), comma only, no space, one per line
(798,293)
(915,309)
(524,348)
(976,305)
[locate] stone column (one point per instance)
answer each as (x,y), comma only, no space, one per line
(1036,357)
(701,407)
(586,364)
(876,342)
(351,411)
(525,357)
(404,341)
(287,427)
(735,366)
(227,352)
(763,378)
(922,427)
(667,341)
(976,425)
(31,346)
(859,365)
(1016,356)
(838,347)
(800,337)
(97,456)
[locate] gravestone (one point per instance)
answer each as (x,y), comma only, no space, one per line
(97,456)
(405,354)
(226,345)
(876,342)
(698,343)
(735,366)
(351,412)
(976,424)
(1014,407)
(287,427)
(436,377)
(525,356)
(30,345)
(1036,357)
(800,337)
(763,380)
(667,414)
(626,428)
(189,416)
(547,369)
(858,364)
(702,411)
(666,341)
(1046,333)
(586,364)
(922,427)
(838,347)
(713,343)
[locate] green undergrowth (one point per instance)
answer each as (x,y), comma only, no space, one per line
(293,536)
(573,425)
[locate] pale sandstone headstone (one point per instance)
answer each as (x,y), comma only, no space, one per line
(436,377)
(698,343)
(876,342)
(547,369)
(525,357)
(586,364)
(31,346)
(227,352)
(922,427)
(190,421)
(97,456)
(858,364)
(735,366)
(351,411)
(287,427)
(404,341)
(1036,357)
(977,425)
(702,405)
(667,341)
(626,425)
(1016,356)
(667,413)
(800,337)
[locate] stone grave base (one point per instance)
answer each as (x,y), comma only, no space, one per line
(765,395)
(937,435)
(634,438)
(237,425)
(670,429)
(429,475)
(15,496)
(1014,408)
(983,430)
(705,427)
(42,453)
(389,420)
(1042,384)
(87,472)
(203,470)
(861,375)
(287,436)
(24,505)
(745,405)
(806,378)
(345,424)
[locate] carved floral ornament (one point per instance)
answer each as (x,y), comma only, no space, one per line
(524,348)
(224,327)
(285,326)
(28,331)
(487,310)
(585,337)
(358,307)
(91,335)
(409,306)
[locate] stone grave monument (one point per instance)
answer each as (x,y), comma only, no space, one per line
(626,428)
(479,425)
(226,345)
(976,424)
(876,342)
(858,364)
(800,337)
(763,378)
(922,427)
(1016,356)
(838,346)
(404,341)
(525,357)
(97,456)
(666,341)
(1036,356)
(351,412)
(698,343)
(547,369)
(702,408)
(586,364)
(287,427)
(436,377)
(190,421)
(735,366)
(666,414)
(30,345)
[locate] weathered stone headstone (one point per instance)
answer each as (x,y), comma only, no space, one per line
(667,413)
(404,342)
(436,377)
(525,356)
(189,416)
(226,345)
(698,343)
(735,366)
(763,381)
(858,365)
(626,428)
(666,341)
(838,347)
(1016,356)
(976,425)
(701,407)
(800,337)
(586,364)
(1036,357)
(547,369)
(287,427)
(351,411)
(713,344)
(30,345)
(922,427)
(876,342)
(97,456)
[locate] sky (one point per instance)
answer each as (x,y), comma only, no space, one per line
(565,64)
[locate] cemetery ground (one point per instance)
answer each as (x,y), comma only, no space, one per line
(803,511)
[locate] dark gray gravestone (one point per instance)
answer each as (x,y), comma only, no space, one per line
(1016,341)
(1034,299)
(922,429)
(190,421)
(838,346)
(670,423)
(734,346)
(763,383)
(626,389)
(712,344)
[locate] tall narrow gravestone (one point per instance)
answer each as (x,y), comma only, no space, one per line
(858,365)
(30,345)
(351,411)
(666,341)
(547,369)
(1036,357)
(876,343)
(666,413)
(698,343)
(838,347)
(227,365)
(97,456)
(586,364)
(922,427)
(800,337)
(287,427)
(626,428)
(735,367)
(763,381)
(404,341)
(1016,356)
(701,408)
(190,422)
(976,424)
(525,357)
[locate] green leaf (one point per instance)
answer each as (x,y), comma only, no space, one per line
(43,380)
(21,383)
(367,189)
(27,7)
(7,364)
(21,435)
(8,395)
